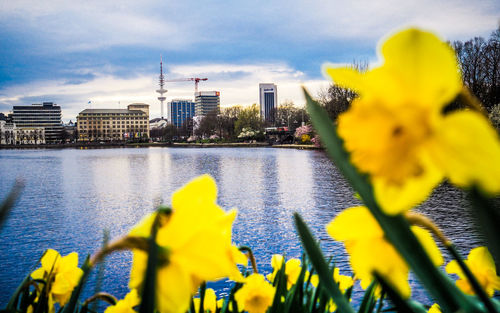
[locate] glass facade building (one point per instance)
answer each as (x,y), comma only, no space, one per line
(268,99)
(46,115)
(180,110)
(206,102)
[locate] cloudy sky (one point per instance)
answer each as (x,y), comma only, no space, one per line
(108,52)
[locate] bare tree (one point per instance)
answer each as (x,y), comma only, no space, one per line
(337,99)
(480,66)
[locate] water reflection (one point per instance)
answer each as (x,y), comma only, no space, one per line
(71,196)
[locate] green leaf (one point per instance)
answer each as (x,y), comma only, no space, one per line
(11,306)
(100,270)
(203,289)
(148,297)
(319,264)
(396,228)
(369,300)
(280,283)
(9,202)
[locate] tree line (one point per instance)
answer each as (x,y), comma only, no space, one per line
(228,123)
(479,61)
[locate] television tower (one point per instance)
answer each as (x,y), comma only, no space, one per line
(161,91)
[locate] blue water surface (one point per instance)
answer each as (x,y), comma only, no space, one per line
(72,196)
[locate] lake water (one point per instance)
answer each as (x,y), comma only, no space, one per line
(72,195)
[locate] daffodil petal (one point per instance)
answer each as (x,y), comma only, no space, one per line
(197,192)
(210,301)
(276,261)
(435,308)
(428,244)
(397,198)
(346,77)
(454,268)
(68,262)
(132,298)
(50,260)
(143,228)
(138,269)
(174,289)
(425,66)
(480,257)
(38,273)
(354,223)
(468,148)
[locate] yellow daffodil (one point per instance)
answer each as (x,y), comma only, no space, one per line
(61,274)
(209,302)
(396,130)
(344,282)
(220,304)
(256,295)
(292,269)
(197,238)
(482,266)
(369,251)
(126,305)
(435,308)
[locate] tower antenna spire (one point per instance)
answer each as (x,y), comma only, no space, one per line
(161,91)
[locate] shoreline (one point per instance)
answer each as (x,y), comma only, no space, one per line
(157,144)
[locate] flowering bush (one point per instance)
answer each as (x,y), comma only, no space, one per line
(303,130)
(316,141)
(248,133)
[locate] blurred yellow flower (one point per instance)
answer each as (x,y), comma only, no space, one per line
(481,264)
(61,274)
(292,269)
(256,295)
(210,302)
(435,308)
(126,305)
(396,131)
(220,304)
(197,238)
(364,239)
(344,282)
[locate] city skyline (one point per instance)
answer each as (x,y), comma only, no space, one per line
(109,53)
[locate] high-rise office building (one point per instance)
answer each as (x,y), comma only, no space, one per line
(179,110)
(46,115)
(206,102)
(268,99)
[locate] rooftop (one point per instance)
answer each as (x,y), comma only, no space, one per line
(107,111)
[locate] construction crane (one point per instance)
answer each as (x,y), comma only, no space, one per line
(195,79)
